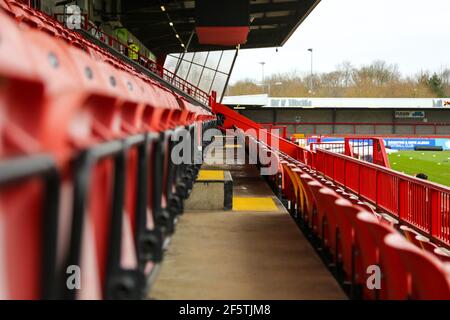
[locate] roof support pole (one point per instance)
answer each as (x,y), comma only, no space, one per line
(180,60)
(215,72)
(203,69)
(229,73)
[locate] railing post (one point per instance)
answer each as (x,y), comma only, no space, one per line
(376,186)
(359,179)
(212,99)
(347,147)
(435,213)
(345,172)
(402,206)
(332,168)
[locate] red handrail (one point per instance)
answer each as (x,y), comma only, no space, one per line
(425,206)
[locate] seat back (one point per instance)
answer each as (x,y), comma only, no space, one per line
(368,249)
(301,206)
(394,280)
(430,279)
(328,197)
(442,253)
(365,241)
(314,187)
(309,199)
(410,235)
(346,220)
(426,244)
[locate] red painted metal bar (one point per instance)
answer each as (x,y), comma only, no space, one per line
(233,119)
(337,135)
(283,129)
(425,124)
(355,125)
(370,149)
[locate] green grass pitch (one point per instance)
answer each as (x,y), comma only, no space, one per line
(435,164)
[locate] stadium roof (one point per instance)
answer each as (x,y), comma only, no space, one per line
(264,101)
(271,23)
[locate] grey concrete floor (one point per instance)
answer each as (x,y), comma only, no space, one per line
(242,255)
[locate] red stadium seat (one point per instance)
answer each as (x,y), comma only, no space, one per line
(370,235)
(301,205)
(85,136)
(368,248)
(420,265)
(309,214)
(346,213)
(29,178)
(315,186)
(292,188)
(410,235)
(425,244)
(443,254)
(328,197)
(386,218)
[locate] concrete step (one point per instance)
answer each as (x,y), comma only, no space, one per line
(213,190)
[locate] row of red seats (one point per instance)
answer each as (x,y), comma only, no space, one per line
(24,15)
(416,203)
(86,178)
(354,239)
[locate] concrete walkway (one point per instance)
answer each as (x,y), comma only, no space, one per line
(242,254)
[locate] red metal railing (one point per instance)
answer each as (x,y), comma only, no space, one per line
(151,65)
(336,147)
(425,206)
(370,149)
(356,125)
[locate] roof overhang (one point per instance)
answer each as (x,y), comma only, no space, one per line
(156,23)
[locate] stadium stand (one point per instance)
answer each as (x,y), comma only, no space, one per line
(86,178)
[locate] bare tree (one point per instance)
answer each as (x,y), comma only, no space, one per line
(378,79)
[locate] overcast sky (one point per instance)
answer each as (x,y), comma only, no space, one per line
(414,34)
